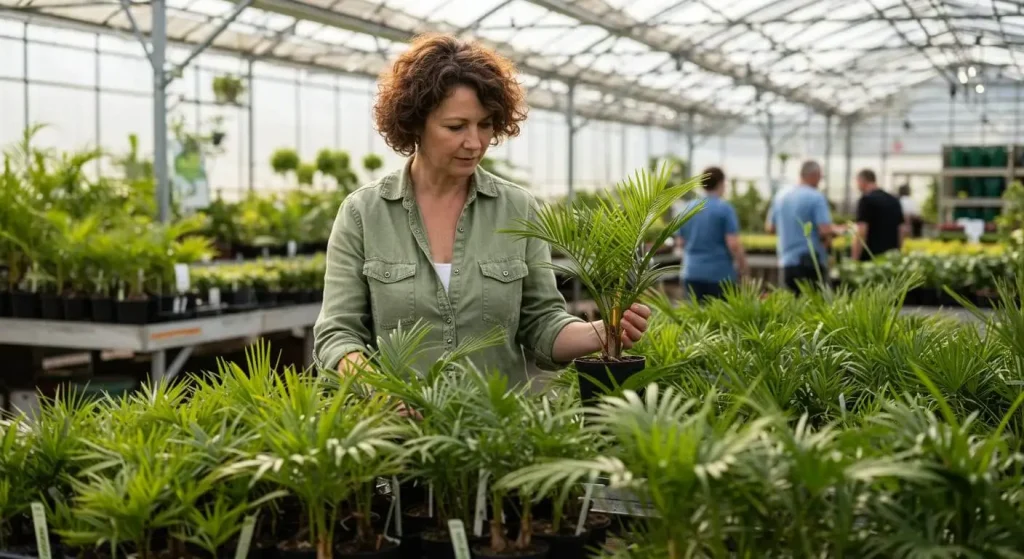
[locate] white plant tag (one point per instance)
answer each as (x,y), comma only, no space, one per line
(214,296)
(398,506)
(481,504)
(42,533)
(181,278)
(459,542)
(585,510)
(293,249)
(245,538)
(176,307)
(266,252)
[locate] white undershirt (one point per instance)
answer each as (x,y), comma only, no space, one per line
(444,271)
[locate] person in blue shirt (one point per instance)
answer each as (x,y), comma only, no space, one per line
(800,217)
(713,256)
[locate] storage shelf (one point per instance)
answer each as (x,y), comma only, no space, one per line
(155,337)
(971,172)
(972,202)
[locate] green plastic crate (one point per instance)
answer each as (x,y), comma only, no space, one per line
(957,157)
(998,157)
(993,187)
(977,188)
(961,184)
(977,156)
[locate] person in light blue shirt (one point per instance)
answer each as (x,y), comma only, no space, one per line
(713,256)
(800,217)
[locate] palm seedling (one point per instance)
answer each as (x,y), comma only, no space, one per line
(327,448)
(604,244)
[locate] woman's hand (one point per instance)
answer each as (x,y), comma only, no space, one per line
(634,324)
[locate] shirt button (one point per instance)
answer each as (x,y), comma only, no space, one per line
(456,270)
(504,273)
(417,231)
(449,341)
(461,229)
(387,274)
(448,320)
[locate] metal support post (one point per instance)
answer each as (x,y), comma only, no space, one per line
(848,190)
(1016,114)
(159,36)
(570,121)
(252,126)
(96,90)
(647,143)
(337,115)
(885,145)
(623,168)
(24,73)
(828,154)
(158,367)
(298,113)
(197,91)
(769,142)
(689,143)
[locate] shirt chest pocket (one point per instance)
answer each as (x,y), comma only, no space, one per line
(503,290)
(392,292)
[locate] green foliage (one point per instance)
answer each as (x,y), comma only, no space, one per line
(605,243)
(284,160)
(372,162)
(304,173)
(228,88)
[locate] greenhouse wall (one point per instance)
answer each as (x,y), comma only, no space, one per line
(96,90)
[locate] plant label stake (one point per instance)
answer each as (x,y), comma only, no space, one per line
(458,535)
(42,534)
(430,500)
(214,297)
(293,249)
(481,504)
(245,538)
(398,505)
(582,522)
(181,278)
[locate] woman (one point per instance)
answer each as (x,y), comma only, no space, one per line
(712,250)
(422,243)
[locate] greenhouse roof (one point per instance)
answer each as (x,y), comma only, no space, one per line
(640,61)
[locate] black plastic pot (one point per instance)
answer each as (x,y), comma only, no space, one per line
(135,311)
(619,371)
(597,529)
(76,308)
(51,306)
(5,304)
(538,550)
(437,545)
(243,298)
(267,298)
(102,309)
(24,305)
(565,546)
(387,551)
(289,298)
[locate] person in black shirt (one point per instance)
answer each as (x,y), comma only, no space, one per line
(881,226)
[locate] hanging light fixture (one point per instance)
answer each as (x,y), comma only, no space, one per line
(962,76)
(972,72)
(980,88)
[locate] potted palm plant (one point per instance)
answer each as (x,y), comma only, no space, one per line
(603,244)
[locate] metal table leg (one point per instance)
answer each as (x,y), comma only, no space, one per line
(158,368)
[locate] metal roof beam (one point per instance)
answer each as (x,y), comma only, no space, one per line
(399,26)
(599,13)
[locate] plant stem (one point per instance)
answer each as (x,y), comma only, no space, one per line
(526,526)
(498,543)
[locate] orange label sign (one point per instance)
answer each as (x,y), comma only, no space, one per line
(181,333)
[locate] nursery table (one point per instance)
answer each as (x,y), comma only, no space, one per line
(156,339)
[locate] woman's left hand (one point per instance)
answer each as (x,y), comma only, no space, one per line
(634,324)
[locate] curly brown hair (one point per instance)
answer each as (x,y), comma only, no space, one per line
(423,76)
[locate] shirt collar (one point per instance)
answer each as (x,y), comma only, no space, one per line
(396,186)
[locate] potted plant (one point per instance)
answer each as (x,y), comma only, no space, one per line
(372,162)
(606,253)
(228,88)
(284,161)
(327,447)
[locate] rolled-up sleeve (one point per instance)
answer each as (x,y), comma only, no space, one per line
(542,313)
(343,325)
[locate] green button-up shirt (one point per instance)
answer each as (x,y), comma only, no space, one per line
(379,274)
